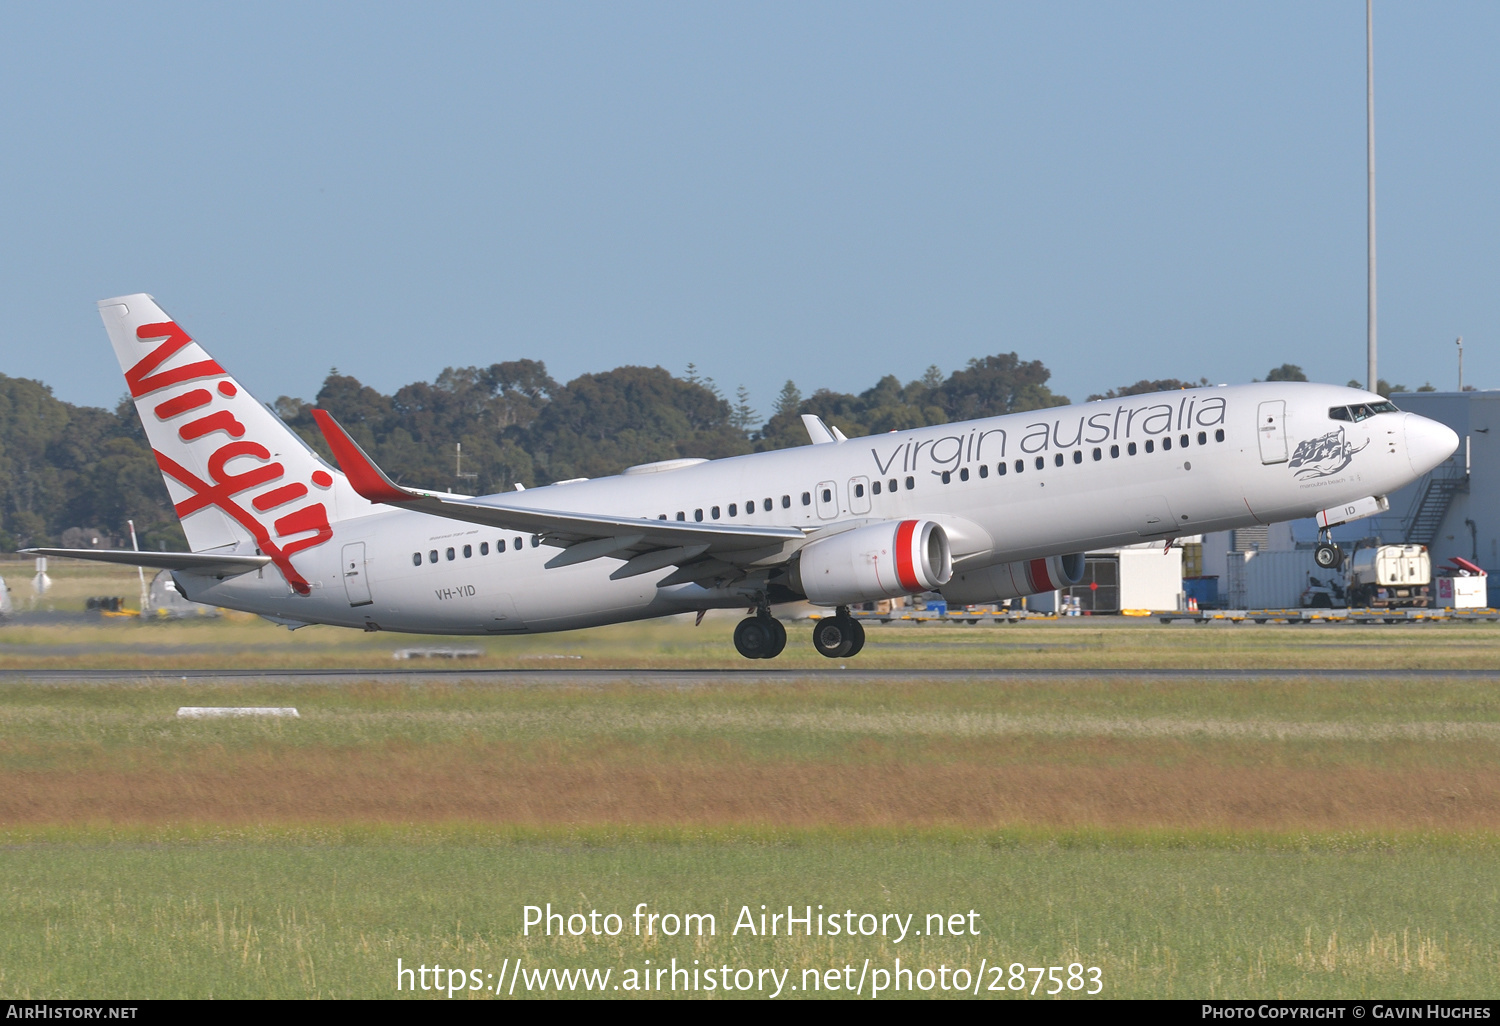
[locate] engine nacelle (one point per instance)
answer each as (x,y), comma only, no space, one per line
(1014,580)
(880,561)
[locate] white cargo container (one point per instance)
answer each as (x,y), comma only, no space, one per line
(1462,592)
(1122,579)
(1267,580)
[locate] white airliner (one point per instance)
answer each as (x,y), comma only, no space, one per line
(981,511)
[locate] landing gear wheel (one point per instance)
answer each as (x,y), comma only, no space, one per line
(858,630)
(778,637)
(1328,555)
(755,638)
(838,637)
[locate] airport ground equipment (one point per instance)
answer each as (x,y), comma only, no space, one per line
(1390,576)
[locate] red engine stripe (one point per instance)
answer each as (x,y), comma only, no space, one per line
(906,571)
(1040,579)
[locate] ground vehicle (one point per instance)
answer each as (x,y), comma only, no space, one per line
(1390,575)
(1323,594)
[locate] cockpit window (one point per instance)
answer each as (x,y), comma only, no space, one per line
(1361,411)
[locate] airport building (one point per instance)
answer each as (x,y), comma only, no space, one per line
(1454,511)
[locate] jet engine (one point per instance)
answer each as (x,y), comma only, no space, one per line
(900,557)
(1014,580)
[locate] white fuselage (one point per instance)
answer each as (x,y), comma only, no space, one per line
(1075,478)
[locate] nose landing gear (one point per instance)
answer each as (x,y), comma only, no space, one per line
(839,636)
(1327,555)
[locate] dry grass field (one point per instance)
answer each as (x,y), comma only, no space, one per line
(1252,836)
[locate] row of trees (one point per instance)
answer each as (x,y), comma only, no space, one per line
(65,468)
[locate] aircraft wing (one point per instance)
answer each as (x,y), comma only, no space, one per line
(205,563)
(700,551)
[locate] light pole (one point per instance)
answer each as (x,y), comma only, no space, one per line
(1370,179)
(1460,363)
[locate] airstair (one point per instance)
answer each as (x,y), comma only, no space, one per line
(1425,517)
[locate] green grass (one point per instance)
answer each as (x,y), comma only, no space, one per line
(1402,906)
(327,913)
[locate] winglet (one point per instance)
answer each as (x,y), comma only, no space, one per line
(817,431)
(368,479)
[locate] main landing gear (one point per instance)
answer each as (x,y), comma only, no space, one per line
(1327,555)
(839,636)
(762,636)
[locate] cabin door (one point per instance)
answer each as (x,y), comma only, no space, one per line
(356,577)
(1271,425)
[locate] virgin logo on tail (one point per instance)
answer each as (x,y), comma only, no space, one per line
(302,528)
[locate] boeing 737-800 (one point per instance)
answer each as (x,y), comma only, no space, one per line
(980,511)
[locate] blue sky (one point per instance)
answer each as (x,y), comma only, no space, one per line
(826,192)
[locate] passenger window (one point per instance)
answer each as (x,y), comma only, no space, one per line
(451,555)
(1130,448)
(714,512)
(963,474)
(893,485)
(432,556)
(875,487)
(1000,469)
(1219,435)
(698,515)
(468,552)
(662,517)
(859,490)
(416,559)
(518,543)
(1202,437)
(1184,440)
(733,509)
(1040,463)
(947,477)
(1114,452)
(484,548)
(1098,455)
(1057,459)
(1166,443)
(681,515)
(1150,445)
(500,545)
(1020,466)
(1077,455)
(827,495)
(984,470)
(911,483)
(536,540)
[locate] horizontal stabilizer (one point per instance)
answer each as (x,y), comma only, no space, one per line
(204,563)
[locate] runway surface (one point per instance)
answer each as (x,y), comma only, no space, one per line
(565,677)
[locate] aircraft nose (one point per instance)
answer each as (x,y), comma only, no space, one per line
(1428,443)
